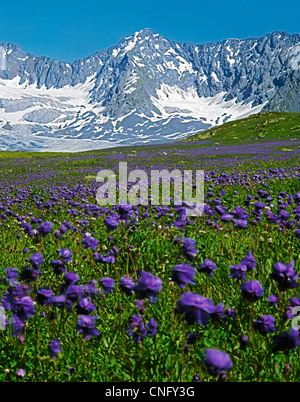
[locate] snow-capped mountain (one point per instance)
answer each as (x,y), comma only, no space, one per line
(146,89)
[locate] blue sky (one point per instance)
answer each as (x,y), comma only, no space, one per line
(70,29)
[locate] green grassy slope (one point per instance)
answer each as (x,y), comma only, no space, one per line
(259,127)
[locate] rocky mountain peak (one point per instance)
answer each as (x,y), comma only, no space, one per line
(147,88)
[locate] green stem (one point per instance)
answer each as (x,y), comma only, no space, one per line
(253,342)
(79,356)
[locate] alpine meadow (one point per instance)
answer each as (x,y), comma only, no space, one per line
(145,291)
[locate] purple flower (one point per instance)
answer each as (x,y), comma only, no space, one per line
(188,247)
(20,373)
(18,325)
(85,307)
(43,295)
(136,329)
(11,275)
(259,206)
(249,261)
(13,293)
(90,242)
(115,249)
(196,308)
(286,341)
(36,260)
(25,308)
(65,254)
(221,210)
(229,312)
(252,290)
(297,233)
(238,272)
(240,213)
(226,217)
(217,362)
(207,267)
(152,325)
(63,229)
(126,284)
(285,276)
(287,369)
(265,324)
(86,326)
(110,258)
(70,278)
(294,301)
(107,284)
(219,311)
(54,347)
(74,293)
(44,229)
(289,314)
(240,223)
(58,301)
(283,215)
(244,340)
(273,299)
(71,370)
(111,223)
(182,274)
(148,286)
(140,305)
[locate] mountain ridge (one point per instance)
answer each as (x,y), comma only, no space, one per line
(146,88)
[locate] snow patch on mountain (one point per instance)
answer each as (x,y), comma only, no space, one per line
(294,54)
(146,89)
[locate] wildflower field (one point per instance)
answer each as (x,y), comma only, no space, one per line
(145,293)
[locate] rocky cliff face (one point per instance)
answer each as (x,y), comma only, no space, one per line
(147,88)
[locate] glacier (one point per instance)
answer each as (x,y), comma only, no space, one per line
(146,89)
